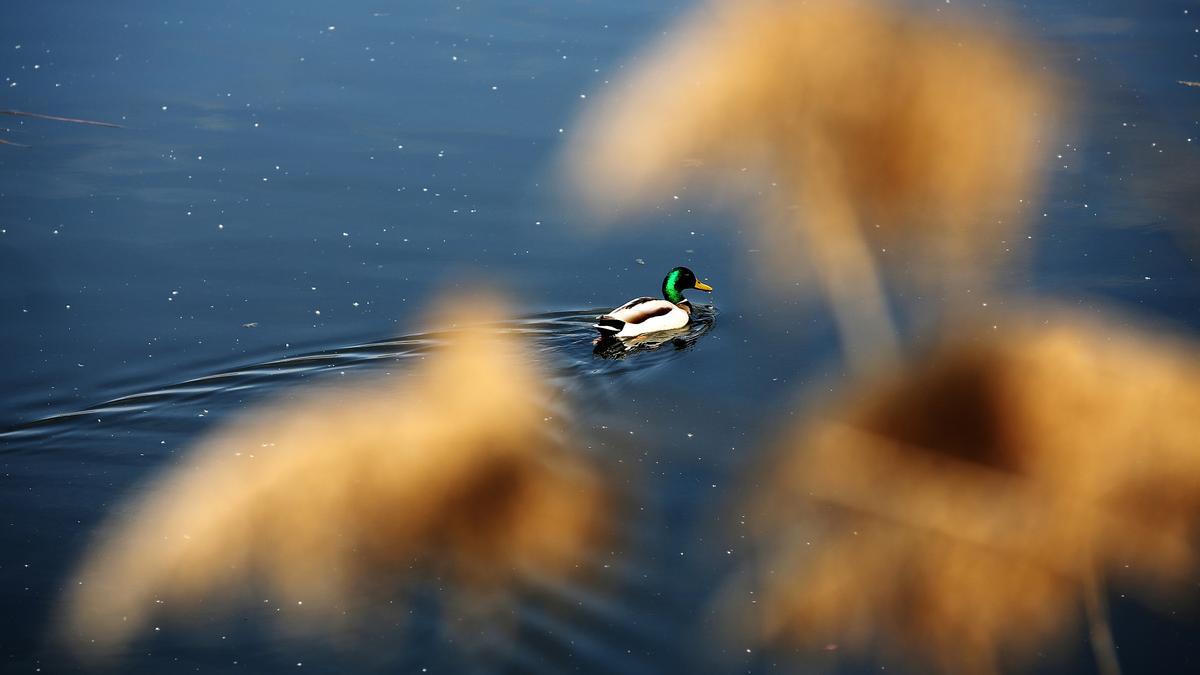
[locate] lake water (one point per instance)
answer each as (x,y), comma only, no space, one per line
(296,182)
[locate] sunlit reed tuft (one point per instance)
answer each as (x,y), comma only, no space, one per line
(457,469)
(963,511)
(861,127)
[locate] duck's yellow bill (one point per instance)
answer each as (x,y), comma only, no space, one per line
(701,286)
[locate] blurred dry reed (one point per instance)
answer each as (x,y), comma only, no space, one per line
(960,511)
(865,126)
(337,498)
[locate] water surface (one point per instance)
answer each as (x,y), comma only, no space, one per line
(295,184)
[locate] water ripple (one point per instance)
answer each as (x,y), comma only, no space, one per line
(564,341)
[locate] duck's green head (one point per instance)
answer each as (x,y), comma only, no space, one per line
(678,280)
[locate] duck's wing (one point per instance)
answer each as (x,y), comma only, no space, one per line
(642,315)
(639,310)
(614,321)
(629,306)
(645,313)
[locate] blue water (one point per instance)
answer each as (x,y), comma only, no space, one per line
(296,182)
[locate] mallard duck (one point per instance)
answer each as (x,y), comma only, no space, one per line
(649,315)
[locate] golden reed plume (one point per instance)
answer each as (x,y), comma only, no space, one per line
(862,126)
(333,499)
(961,510)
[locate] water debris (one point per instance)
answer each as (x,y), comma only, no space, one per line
(958,511)
(56,118)
(335,499)
(846,127)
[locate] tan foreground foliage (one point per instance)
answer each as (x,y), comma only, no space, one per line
(864,126)
(960,511)
(332,500)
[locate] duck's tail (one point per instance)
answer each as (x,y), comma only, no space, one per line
(608,326)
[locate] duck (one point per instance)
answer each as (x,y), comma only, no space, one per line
(651,315)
